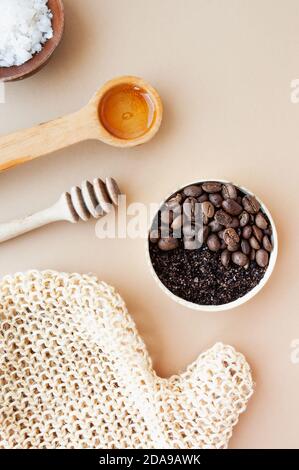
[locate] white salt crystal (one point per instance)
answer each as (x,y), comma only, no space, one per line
(25,25)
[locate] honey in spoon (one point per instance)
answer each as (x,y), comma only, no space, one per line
(127,111)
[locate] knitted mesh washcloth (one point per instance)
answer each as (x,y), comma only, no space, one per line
(74,373)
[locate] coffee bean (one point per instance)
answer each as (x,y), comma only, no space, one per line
(231,237)
(223,245)
(212,187)
(204,197)
(193,191)
(154,236)
(250,204)
(252,254)
(215,226)
(189,206)
(247,265)
(245,247)
(240,259)
(268,231)
(191,244)
(213,242)
(233,248)
(189,230)
(220,234)
(234,223)
(244,218)
(262,258)
(261,221)
(231,207)
(229,191)
(175,202)
(167,244)
(247,232)
(166,216)
(208,209)
(267,244)
(177,222)
(215,199)
(205,234)
(254,243)
(257,233)
(225,258)
(223,218)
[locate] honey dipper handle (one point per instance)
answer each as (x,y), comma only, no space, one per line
(18,227)
(25,145)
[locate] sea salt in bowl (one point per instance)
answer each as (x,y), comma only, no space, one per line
(39,59)
(223,306)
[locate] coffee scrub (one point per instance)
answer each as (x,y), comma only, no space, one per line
(211,243)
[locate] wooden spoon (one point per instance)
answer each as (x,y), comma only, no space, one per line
(26,145)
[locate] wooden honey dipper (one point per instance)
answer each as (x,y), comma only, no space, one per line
(81,203)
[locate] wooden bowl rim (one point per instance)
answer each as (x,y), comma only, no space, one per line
(40,59)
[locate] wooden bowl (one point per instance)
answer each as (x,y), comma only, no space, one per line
(40,59)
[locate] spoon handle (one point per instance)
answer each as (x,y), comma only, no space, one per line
(26,145)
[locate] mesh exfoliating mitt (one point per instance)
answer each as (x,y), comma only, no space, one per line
(74,373)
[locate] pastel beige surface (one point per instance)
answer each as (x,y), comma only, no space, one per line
(224,71)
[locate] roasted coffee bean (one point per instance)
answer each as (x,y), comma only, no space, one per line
(262,258)
(208,209)
(250,204)
(167,244)
(240,259)
(213,242)
(229,191)
(205,234)
(257,233)
(239,200)
(203,198)
(220,234)
(260,221)
(215,226)
(247,265)
(247,232)
(154,235)
(233,248)
(215,199)
(166,217)
(254,243)
(232,207)
(244,218)
(193,191)
(191,244)
(177,222)
(252,254)
(223,245)
(267,244)
(268,231)
(225,258)
(212,187)
(234,223)
(245,247)
(231,237)
(175,202)
(223,218)
(189,230)
(189,206)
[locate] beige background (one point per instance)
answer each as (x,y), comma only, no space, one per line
(223,69)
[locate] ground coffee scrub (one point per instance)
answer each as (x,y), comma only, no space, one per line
(211,243)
